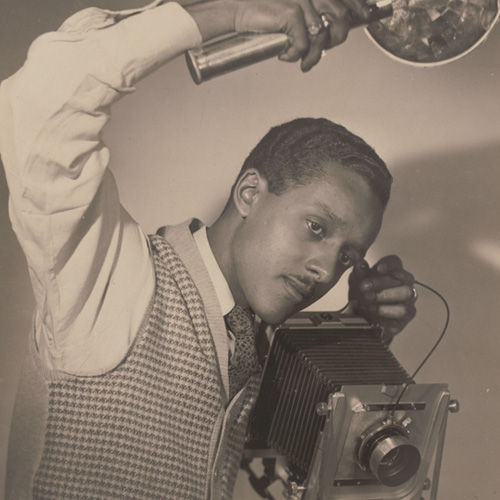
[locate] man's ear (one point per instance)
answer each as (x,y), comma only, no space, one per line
(249,187)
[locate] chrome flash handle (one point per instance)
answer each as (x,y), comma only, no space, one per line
(243,49)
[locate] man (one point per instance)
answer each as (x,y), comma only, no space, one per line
(134,386)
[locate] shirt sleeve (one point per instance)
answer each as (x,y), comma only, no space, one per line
(88,260)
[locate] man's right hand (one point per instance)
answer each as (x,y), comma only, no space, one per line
(302,21)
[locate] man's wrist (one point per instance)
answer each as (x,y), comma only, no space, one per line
(213,18)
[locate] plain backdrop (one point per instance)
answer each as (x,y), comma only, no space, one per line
(177,147)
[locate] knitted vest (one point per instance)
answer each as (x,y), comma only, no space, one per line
(146,430)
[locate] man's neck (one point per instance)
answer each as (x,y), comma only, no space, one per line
(220,236)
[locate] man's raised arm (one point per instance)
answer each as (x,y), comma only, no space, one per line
(79,242)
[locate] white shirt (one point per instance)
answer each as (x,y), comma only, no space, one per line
(80,243)
(222,290)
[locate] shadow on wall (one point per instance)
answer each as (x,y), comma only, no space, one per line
(444,220)
(16,308)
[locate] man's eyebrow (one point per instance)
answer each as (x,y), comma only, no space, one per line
(328,213)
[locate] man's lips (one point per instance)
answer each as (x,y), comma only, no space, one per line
(300,289)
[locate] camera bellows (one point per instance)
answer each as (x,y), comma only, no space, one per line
(305,366)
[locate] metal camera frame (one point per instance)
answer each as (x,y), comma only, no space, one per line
(353,413)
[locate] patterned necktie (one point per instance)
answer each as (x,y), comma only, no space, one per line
(244,361)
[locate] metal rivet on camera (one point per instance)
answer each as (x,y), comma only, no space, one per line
(406,422)
(454,406)
(322,409)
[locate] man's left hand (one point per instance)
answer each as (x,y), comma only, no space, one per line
(383,294)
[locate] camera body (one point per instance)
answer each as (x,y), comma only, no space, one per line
(343,416)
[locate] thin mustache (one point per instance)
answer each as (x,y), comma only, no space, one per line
(305,286)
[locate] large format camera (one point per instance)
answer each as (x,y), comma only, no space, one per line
(338,417)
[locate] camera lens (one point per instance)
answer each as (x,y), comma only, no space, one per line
(393,460)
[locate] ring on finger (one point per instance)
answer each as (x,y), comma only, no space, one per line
(314,29)
(325,21)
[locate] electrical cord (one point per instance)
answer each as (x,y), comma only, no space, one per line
(429,354)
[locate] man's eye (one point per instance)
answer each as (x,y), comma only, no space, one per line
(346,260)
(316,228)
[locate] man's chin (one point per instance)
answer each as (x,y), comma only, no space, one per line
(277,316)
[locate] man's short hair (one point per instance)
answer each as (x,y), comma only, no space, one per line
(295,153)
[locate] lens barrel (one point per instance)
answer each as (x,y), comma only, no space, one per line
(389,456)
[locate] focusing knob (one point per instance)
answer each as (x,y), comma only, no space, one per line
(454,406)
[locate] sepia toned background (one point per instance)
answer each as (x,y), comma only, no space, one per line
(177,147)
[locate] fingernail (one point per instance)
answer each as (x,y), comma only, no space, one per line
(306,67)
(366,285)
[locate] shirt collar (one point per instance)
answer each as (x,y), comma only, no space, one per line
(219,282)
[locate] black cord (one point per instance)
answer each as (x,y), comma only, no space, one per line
(433,348)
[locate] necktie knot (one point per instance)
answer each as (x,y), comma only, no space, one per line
(240,320)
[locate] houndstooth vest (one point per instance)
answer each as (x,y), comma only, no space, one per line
(155,427)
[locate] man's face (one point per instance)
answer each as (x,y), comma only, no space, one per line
(293,248)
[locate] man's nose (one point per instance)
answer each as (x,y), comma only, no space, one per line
(323,267)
